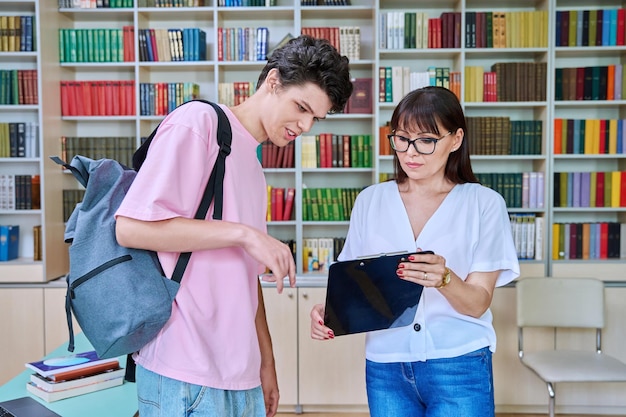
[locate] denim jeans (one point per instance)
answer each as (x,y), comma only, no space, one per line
(461,387)
(160,396)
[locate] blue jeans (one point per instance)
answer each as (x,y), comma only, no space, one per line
(160,396)
(461,386)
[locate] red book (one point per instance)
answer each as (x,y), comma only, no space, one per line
(290,156)
(580,83)
(558,133)
(152,38)
(280,156)
(290,194)
(280,204)
(328,142)
(622,192)
(65,101)
(573,239)
(599,189)
(129,94)
(602,145)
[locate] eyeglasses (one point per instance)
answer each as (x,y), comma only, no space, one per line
(424,144)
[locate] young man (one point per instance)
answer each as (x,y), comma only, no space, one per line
(214,356)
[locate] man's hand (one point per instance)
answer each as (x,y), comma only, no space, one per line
(269,383)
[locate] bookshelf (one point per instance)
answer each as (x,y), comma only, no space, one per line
(30,51)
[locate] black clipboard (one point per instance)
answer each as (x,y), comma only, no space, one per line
(366,294)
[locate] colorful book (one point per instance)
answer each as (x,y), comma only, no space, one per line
(62,364)
(51,385)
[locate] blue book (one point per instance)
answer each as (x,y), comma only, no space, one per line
(606,24)
(201,45)
(9,242)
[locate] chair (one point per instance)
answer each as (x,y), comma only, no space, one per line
(565,303)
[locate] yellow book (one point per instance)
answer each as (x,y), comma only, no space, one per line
(555,240)
(616,177)
(573,22)
(508,23)
(595,136)
(593,26)
(593,179)
(612,136)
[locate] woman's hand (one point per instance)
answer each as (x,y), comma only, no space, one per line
(318,330)
(428,270)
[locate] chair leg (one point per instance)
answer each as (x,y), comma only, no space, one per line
(551,401)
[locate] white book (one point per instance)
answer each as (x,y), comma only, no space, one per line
(73,392)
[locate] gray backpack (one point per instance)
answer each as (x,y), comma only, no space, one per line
(118,295)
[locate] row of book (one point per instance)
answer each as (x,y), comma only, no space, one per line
(604,82)
(96,4)
(232,94)
(512,29)
(519,189)
(245,3)
(19,140)
(589,136)
(242,43)
(161,98)
(602,240)
(272,156)
(599,27)
(416,30)
(346,39)
(63,377)
(330,150)
(9,242)
(71,197)
(120,148)
(590,189)
(171,3)
(319,253)
(20,192)
(527,230)
(16,33)
(328,204)
(511,81)
(98,98)
(96,45)
(165,45)
(325,2)
(18,87)
(394,82)
(280,203)
(499,135)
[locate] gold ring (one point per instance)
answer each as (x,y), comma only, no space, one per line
(425,276)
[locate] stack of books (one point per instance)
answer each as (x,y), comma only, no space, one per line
(68,376)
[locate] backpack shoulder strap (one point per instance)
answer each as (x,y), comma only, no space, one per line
(215,187)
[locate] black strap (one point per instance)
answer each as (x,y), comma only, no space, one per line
(215,186)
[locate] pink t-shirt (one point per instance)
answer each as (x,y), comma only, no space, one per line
(211,338)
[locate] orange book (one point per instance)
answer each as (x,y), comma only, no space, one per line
(610,83)
(82,372)
(558,134)
(586,236)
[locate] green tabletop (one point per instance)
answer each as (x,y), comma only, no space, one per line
(120,401)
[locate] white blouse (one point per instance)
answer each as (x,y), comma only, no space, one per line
(471,230)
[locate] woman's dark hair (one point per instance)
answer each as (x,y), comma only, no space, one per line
(306,59)
(423,109)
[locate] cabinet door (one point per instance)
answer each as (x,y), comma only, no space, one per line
(55,320)
(332,372)
(21,328)
(281,311)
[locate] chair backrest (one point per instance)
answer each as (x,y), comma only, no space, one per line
(560,302)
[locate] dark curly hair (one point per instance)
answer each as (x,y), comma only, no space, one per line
(306,59)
